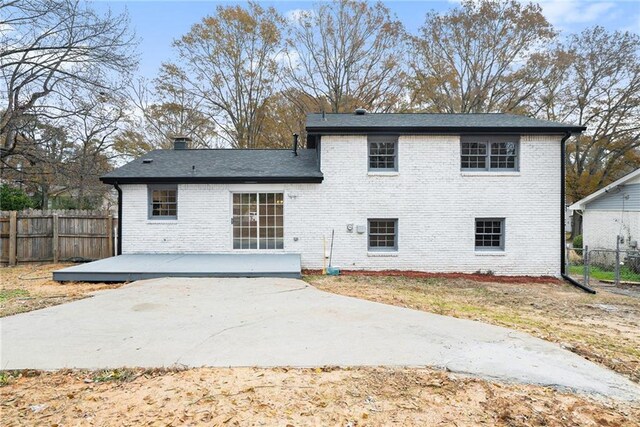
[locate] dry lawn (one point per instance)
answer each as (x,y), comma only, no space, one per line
(294,397)
(30,287)
(604,328)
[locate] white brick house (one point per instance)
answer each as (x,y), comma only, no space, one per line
(425,192)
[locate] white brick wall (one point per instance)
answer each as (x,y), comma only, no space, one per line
(435,203)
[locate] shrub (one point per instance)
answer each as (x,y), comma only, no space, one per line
(633,260)
(14,199)
(577,241)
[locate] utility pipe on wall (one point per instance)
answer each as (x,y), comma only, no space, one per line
(563,239)
(119,245)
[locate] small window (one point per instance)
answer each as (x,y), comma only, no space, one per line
(490,234)
(163,202)
(383,153)
(496,154)
(383,235)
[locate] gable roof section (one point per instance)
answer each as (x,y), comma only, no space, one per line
(581,204)
(433,123)
(219,166)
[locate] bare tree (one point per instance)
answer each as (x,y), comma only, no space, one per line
(48,48)
(69,154)
(163,109)
(597,85)
(37,164)
(283,118)
(92,133)
(484,56)
(348,53)
(231,62)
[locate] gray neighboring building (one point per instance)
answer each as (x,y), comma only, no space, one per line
(612,211)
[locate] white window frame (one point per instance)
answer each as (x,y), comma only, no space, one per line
(257,192)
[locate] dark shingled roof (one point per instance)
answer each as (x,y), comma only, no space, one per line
(447,123)
(219,166)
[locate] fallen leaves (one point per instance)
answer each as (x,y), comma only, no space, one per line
(241,396)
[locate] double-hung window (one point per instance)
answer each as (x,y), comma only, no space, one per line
(383,235)
(383,153)
(497,153)
(163,201)
(490,234)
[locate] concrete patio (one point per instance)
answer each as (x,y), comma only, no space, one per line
(281,322)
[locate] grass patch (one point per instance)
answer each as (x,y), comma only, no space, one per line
(7,377)
(115,375)
(31,287)
(7,294)
(599,273)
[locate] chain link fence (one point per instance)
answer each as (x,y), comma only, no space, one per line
(617,266)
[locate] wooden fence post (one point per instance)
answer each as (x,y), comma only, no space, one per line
(55,240)
(13,237)
(110,235)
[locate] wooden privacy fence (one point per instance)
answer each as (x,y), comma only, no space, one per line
(44,236)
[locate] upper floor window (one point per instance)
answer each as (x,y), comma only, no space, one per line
(163,202)
(383,153)
(489,153)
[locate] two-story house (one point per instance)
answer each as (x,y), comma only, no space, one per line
(427,192)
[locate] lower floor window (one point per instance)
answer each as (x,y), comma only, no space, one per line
(383,235)
(163,202)
(258,221)
(490,233)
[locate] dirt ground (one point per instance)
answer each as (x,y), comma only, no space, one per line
(30,287)
(294,397)
(604,328)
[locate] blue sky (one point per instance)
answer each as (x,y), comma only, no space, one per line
(158,23)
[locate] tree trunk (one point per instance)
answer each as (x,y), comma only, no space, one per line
(44,196)
(576,224)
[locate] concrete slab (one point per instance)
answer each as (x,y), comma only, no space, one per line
(281,322)
(127,268)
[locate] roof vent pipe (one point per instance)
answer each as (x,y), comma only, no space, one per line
(295,144)
(360,112)
(181,142)
(324,116)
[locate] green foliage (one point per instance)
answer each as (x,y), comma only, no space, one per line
(14,199)
(599,273)
(66,202)
(7,377)
(116,375)
(7,294)
(63,202)
(577,241)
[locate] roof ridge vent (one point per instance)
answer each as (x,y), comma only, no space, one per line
(360,111)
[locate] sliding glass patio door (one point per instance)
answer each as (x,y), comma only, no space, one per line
(258,221)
